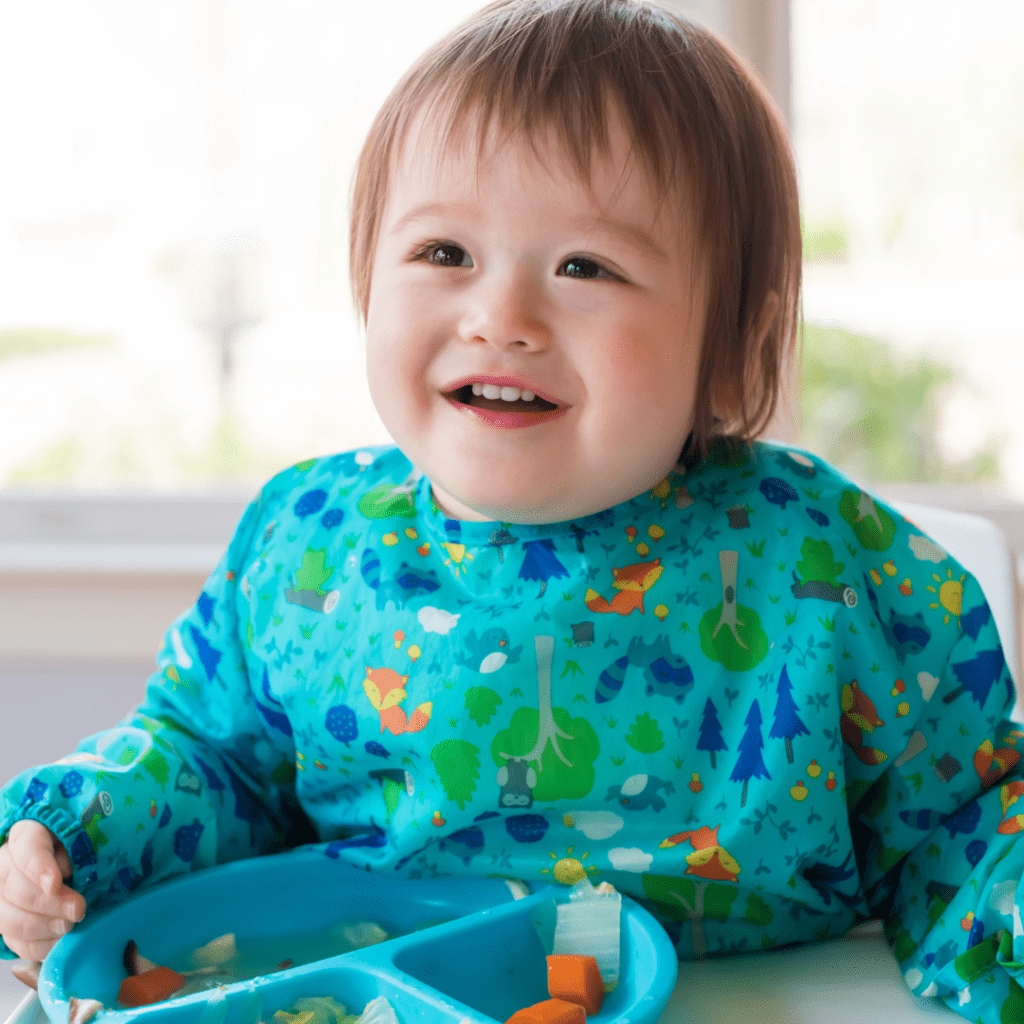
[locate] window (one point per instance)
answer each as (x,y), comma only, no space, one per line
(175,308)
(910,147)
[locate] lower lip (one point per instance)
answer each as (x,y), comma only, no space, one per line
(513,419)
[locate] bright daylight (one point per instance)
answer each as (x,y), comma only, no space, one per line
(610,609)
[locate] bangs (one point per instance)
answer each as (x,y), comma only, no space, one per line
(563,83)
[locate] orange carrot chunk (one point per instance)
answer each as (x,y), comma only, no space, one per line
(149,987)
(576,979)
(551,1011)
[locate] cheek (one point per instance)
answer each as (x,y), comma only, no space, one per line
(398,356)
(646,388)
(402,321)
(375,378)
(390,334)
(385,373)
(377,353)
(650,362)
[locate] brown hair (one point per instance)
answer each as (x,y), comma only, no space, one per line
(703,129)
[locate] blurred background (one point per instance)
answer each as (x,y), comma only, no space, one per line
(174,310)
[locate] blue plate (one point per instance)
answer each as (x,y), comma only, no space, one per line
(481,965)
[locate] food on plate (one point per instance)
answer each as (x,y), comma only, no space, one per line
(576,979)
(327,1010)
(149,987)
(550,1011)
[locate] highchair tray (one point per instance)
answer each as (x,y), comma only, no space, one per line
(481,963)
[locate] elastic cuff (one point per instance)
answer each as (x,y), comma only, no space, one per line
(56,819)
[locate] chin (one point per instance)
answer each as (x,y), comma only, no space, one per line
(521,503)
(542,509)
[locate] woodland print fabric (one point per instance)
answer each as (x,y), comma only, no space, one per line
(755,698)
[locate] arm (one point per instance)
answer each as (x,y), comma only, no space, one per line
(192,777)
(933,819)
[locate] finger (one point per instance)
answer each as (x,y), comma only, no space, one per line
(23,927)
(32,852)
(25,896)
(63,861)
(26,927)
(29,950)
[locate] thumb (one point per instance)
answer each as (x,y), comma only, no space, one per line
(31,848)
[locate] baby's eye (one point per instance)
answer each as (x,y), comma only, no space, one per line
(582,268)
(445,254)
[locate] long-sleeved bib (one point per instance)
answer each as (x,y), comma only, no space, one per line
(755,698)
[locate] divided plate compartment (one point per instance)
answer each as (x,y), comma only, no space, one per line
(480,964)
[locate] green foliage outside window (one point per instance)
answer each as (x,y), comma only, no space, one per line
(34,341)
(875,413)
(864,407)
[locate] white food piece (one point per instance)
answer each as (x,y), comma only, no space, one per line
(216,952)
(360,934)
(589,925)
(518,888)
(378,1011)
(27,972)
(582,890)
(203,972)
(82,1010)
(134,961)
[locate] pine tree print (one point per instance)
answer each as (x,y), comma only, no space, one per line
(787,722)
(710,738)
(541,563)
(750,764)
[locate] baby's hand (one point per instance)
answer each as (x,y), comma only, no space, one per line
(36,908)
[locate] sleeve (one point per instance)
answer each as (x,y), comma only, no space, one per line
(192,777)
(933,801)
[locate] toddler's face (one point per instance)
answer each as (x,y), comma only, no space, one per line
(532,342)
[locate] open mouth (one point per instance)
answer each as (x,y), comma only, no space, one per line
(499,399)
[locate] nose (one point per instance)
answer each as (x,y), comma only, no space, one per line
(506,309)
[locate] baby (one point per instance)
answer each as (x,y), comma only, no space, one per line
(578,623)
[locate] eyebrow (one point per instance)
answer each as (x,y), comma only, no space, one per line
(630,233)
(429,210)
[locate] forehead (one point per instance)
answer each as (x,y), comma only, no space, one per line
(441,151)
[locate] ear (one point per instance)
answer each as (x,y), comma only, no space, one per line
(369,672)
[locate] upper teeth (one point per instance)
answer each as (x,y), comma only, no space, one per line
(506,394)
